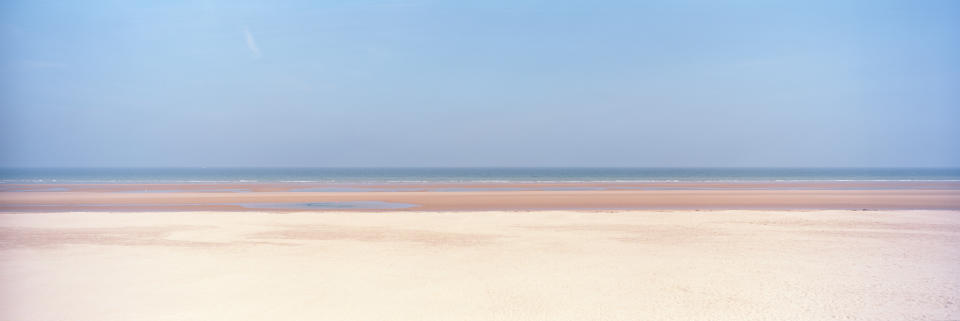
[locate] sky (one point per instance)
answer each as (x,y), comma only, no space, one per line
(480,83)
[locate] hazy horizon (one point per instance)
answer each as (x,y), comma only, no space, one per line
(409,175)
(661,84)
(497,167)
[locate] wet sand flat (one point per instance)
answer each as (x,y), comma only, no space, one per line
(491,265)
(453,197)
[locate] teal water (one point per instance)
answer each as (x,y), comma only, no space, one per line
(428,175)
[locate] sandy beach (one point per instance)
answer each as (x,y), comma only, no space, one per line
(571,251)
(492,265)
(480,161)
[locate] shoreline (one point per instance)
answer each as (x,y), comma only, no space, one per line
(281,186)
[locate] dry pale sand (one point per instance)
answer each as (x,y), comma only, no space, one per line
(542,265)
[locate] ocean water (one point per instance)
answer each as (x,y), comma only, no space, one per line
(460,175)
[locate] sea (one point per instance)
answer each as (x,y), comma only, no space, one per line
(464,175)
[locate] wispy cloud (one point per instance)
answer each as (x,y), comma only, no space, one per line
(251,43)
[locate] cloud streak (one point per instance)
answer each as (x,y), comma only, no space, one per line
(251,43)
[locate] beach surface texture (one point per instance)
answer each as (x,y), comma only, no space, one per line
(478,263)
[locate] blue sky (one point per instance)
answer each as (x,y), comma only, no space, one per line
(488,83)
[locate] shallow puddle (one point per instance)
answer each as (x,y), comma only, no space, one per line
(361,205)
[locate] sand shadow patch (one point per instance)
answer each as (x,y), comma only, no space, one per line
(638,233)
(24,237)
(375,234)
(853,224)
(857,229)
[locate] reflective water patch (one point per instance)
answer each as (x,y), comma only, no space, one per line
(347,205)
